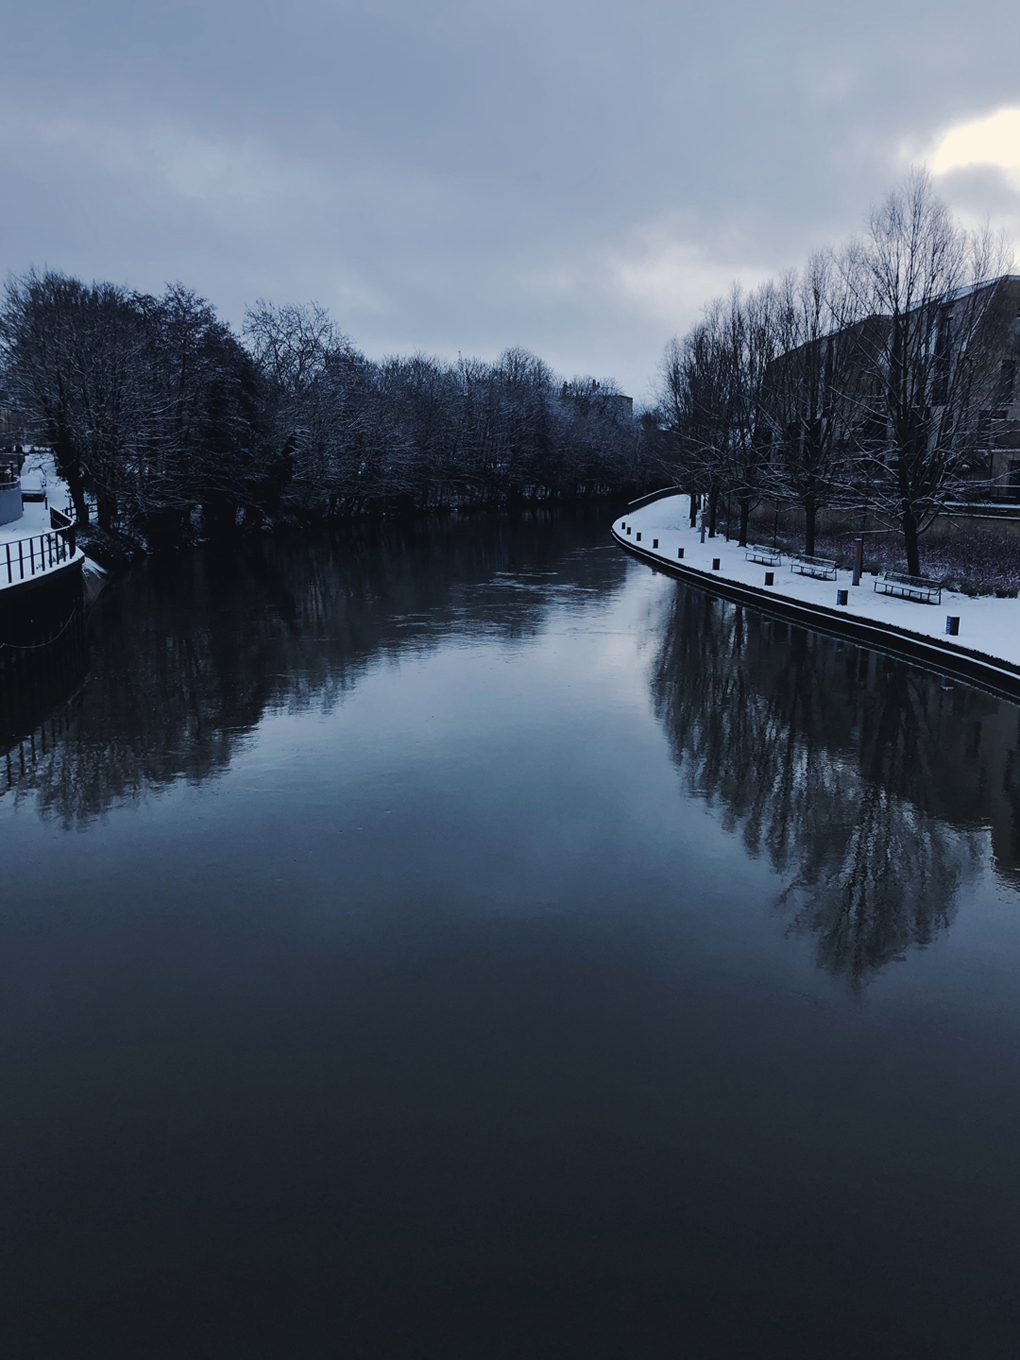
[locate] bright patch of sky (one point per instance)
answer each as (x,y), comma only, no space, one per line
(994,140)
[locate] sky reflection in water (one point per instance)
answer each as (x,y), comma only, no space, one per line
(460,940)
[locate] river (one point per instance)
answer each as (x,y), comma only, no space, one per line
(460,940)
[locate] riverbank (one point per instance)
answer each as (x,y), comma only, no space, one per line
(988,647)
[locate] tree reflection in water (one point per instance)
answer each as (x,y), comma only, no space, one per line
(190,652)
(871,787)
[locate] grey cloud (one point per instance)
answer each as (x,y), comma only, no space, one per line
(468,175)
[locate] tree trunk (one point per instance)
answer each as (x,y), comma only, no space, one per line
(695,504)
(910,542)
(106,509)
(745,515)
(78,497)
(713,507)
(810,515)
(68,466)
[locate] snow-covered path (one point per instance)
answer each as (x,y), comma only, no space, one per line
(987,625)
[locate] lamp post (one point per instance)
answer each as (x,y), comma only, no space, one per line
(859,550)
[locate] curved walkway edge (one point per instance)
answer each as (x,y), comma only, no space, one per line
(944,658)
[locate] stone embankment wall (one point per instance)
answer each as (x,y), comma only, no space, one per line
(37,612)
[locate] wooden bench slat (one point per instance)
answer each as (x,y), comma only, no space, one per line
(921,588)
(822,568)
(768,557)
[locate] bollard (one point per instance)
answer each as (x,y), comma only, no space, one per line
(842,596)
(655,542)
(628,531)
(715,564)
(639,538)
(770,578)
(953,625)
(680,553)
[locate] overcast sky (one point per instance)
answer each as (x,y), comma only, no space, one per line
(575,177)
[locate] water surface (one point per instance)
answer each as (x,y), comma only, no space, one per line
(462,941)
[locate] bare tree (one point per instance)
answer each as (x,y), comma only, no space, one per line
(750,337)
(158,414)
(597,438)
(73,358)
(695,401)
(318,408)
(810,394)
(920,274)
(203,441)
(711,393)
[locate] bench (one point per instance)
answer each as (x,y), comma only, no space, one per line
(921,588)
(768,557)
(822,568)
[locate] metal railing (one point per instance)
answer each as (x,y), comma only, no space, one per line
(655,496)
(28,557)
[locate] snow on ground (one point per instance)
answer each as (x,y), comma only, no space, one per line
(987,625)
(35,519)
